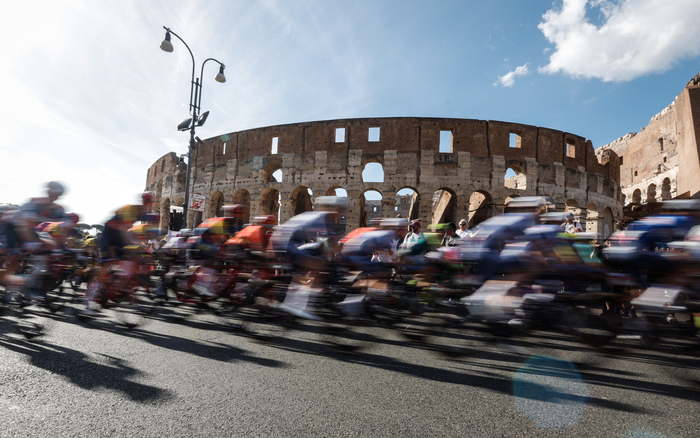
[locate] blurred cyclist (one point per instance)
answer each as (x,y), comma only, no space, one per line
(20,230)
(113,242)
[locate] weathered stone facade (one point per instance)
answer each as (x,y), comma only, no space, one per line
(662,161)
(467,172)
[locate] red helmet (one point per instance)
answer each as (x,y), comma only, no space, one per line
(234,210)
(72,217)
(148,197)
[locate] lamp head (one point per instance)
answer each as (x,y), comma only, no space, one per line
(184,125)
(202,118)
(166,45)
(220,76)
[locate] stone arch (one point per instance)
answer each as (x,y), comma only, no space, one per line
(572,206)
(373,171)
(270,202)
(666,189)
(267,175)
(407,203)
(337,191)
(592,219)
(242,197)
(515,178)
(216,202)
(301,200)
(637,197)
(164,224)
(607,226)
(370,208)
(444,205)
(480,207)
(651,193)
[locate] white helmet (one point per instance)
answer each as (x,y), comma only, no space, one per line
(54,189)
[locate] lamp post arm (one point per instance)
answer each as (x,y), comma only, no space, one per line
(192,85)
(201,80)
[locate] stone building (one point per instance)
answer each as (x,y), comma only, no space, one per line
(663,160)
(452,168)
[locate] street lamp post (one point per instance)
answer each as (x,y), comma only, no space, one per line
(197,119)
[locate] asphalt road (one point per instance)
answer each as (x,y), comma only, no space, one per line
(200,378)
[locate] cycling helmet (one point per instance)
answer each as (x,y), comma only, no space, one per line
(72,217)
(234,210)
(54,189)
(148,197)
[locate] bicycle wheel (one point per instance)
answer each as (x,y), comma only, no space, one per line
(594,329)
(133,310)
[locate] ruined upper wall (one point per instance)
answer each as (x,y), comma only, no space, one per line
(407,136)
(664,153)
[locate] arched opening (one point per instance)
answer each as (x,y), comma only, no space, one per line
(406,204)
(337,191)
(637,197)
(651,193)
(515,178)
(666,189)
(443,207)
(607,227)
(373,172)
(480,207)
(573,207)
(242,197)
(301,200)
(270,201)
(592,218)
(215,204)
(370,207)
(272,173)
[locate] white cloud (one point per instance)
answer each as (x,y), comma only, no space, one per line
(634,37)
(508,79)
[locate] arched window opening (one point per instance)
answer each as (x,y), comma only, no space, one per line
(406,204)
(301,200)
(637,196)
(443,206)
(651,193)
(271,203)
(371,207)
(242,197)
(573,207)
(217,201)
(666,189)
(373,172)
(480,207)
(515,178)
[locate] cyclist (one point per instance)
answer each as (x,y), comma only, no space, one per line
(20,229)
(115,238)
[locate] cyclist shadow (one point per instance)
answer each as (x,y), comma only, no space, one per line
(210,350)
(87,372)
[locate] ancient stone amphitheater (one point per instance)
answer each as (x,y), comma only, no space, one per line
(438,170)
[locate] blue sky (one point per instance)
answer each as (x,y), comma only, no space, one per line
(91,100)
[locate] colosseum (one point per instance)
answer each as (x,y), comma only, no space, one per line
(434,169)
(663,160)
